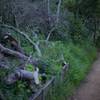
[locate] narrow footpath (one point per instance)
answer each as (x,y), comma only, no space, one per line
(90,88)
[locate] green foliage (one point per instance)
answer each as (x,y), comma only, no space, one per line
(77,30)
(88,8)
(80,57)
(70,4)
(29,67)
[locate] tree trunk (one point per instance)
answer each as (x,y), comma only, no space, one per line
(17,54)
(19,74)
(25,35)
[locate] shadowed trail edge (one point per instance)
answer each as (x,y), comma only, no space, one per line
(90,89)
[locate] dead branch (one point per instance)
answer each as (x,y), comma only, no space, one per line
(12,52)
(16,54)
(25,35)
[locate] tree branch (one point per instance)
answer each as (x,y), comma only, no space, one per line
(12,52)
(25,35)
(49,34)
(16,54)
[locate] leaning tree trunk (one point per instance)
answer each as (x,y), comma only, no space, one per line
(17,54)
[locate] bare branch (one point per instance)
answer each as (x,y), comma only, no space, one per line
(49,34)
(16,54)
(25,35)
(11,52)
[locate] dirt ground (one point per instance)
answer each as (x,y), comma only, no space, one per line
(90,88)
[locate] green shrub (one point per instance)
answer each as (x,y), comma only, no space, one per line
(80,58)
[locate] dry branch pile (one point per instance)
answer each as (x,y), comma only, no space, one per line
(15,52)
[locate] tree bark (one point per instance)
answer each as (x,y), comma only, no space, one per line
(25,35)
(12,52)
(58,10)
(17,75)
(17,54)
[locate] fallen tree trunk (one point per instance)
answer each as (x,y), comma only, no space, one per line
(12,52)
(17,54)
(24,74)
(25,35)
(17,75)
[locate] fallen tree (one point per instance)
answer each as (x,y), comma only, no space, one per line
(17,75)
(25,35)
(16,54)
(12,52)
(8,39)
(13,77)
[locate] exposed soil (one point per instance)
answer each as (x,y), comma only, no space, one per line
(90,88)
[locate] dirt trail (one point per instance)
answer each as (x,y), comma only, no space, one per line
(90,88)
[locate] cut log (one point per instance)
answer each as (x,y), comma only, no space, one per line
(23,74)
(20,74)
(25,35)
